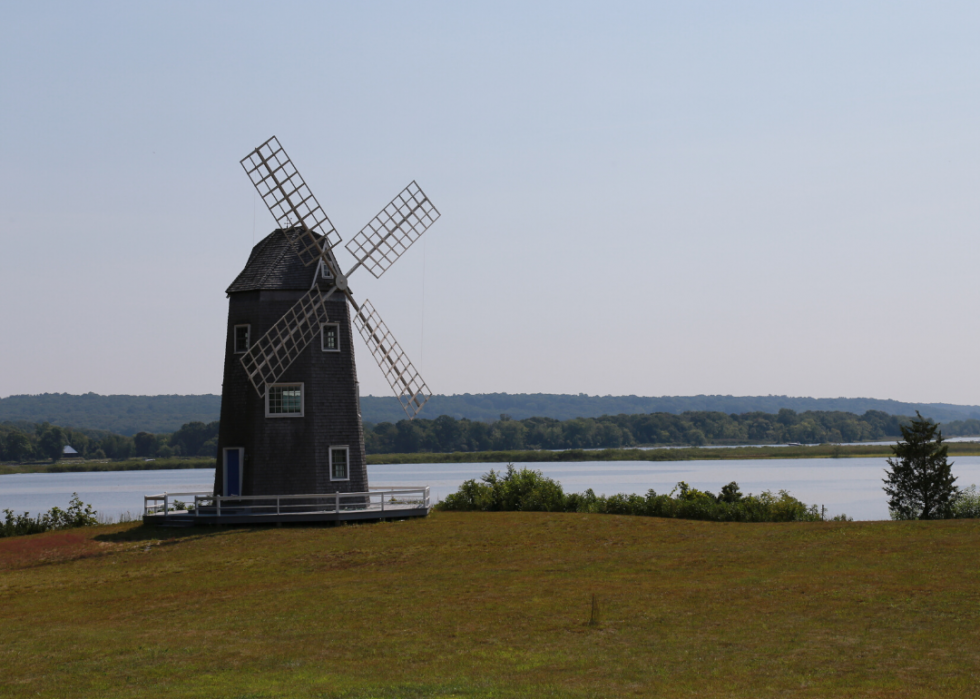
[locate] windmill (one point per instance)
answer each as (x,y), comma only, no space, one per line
(323,449)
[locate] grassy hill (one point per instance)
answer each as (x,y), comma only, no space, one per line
(128,415)
(495,605)
(489,406)
(124,415)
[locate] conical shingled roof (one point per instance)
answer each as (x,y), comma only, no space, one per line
(273,264)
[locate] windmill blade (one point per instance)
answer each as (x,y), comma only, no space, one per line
(271,355)
(291,202)
(389,234)
(408,386)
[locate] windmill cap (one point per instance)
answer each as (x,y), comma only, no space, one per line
(273,265)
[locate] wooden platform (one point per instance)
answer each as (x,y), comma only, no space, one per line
(200,508)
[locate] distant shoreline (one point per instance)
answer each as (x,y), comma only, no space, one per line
(822,451)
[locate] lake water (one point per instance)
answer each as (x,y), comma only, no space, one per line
(849,486)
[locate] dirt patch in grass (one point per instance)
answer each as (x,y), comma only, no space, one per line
(49,547)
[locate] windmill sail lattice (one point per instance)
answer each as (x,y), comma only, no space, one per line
(271,355)
(382,241)
(398,370)
(389,234)
(291,202)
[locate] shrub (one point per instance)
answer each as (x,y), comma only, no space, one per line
(516,490)
(78,514)
(966,505)
(529,491)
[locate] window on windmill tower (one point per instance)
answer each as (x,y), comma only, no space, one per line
(325,272)
(330,337)
(284,400)
(241,338)
(338,464)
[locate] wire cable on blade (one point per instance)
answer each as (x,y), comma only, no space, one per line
(422,338)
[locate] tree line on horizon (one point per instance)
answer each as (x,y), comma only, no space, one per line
(487,407)
(696,428)
(128,415)
(25,441)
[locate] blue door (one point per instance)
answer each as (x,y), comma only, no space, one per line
(233,471)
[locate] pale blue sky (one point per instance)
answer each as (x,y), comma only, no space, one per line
(637,198)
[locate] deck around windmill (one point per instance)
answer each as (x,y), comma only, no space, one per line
(176,509)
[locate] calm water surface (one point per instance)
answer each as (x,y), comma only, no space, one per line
(850,486)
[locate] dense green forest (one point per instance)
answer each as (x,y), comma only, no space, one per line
(22,441)
(25,441)
(127,415)
(446,434)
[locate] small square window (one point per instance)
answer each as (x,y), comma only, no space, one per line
(338,464)
(284,400)
(330,337)
(242,338)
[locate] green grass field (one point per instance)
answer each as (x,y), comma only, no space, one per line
(495,605)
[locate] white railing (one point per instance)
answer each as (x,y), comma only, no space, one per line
(172,503)
(202,503)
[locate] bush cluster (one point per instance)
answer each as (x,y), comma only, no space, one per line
(78,514)
(529,491)
(966,504)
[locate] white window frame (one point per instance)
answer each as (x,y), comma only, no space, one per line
(248,338)
(323,337)
(330,452)
(302,399)
(325,271)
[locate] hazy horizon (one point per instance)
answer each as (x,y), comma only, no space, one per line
(525,393)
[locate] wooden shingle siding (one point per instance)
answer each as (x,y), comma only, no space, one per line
(289,455)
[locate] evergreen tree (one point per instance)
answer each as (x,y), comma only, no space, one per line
(920,482)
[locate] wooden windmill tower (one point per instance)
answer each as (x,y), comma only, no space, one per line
(290,408)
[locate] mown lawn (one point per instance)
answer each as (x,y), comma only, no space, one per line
(495,605)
